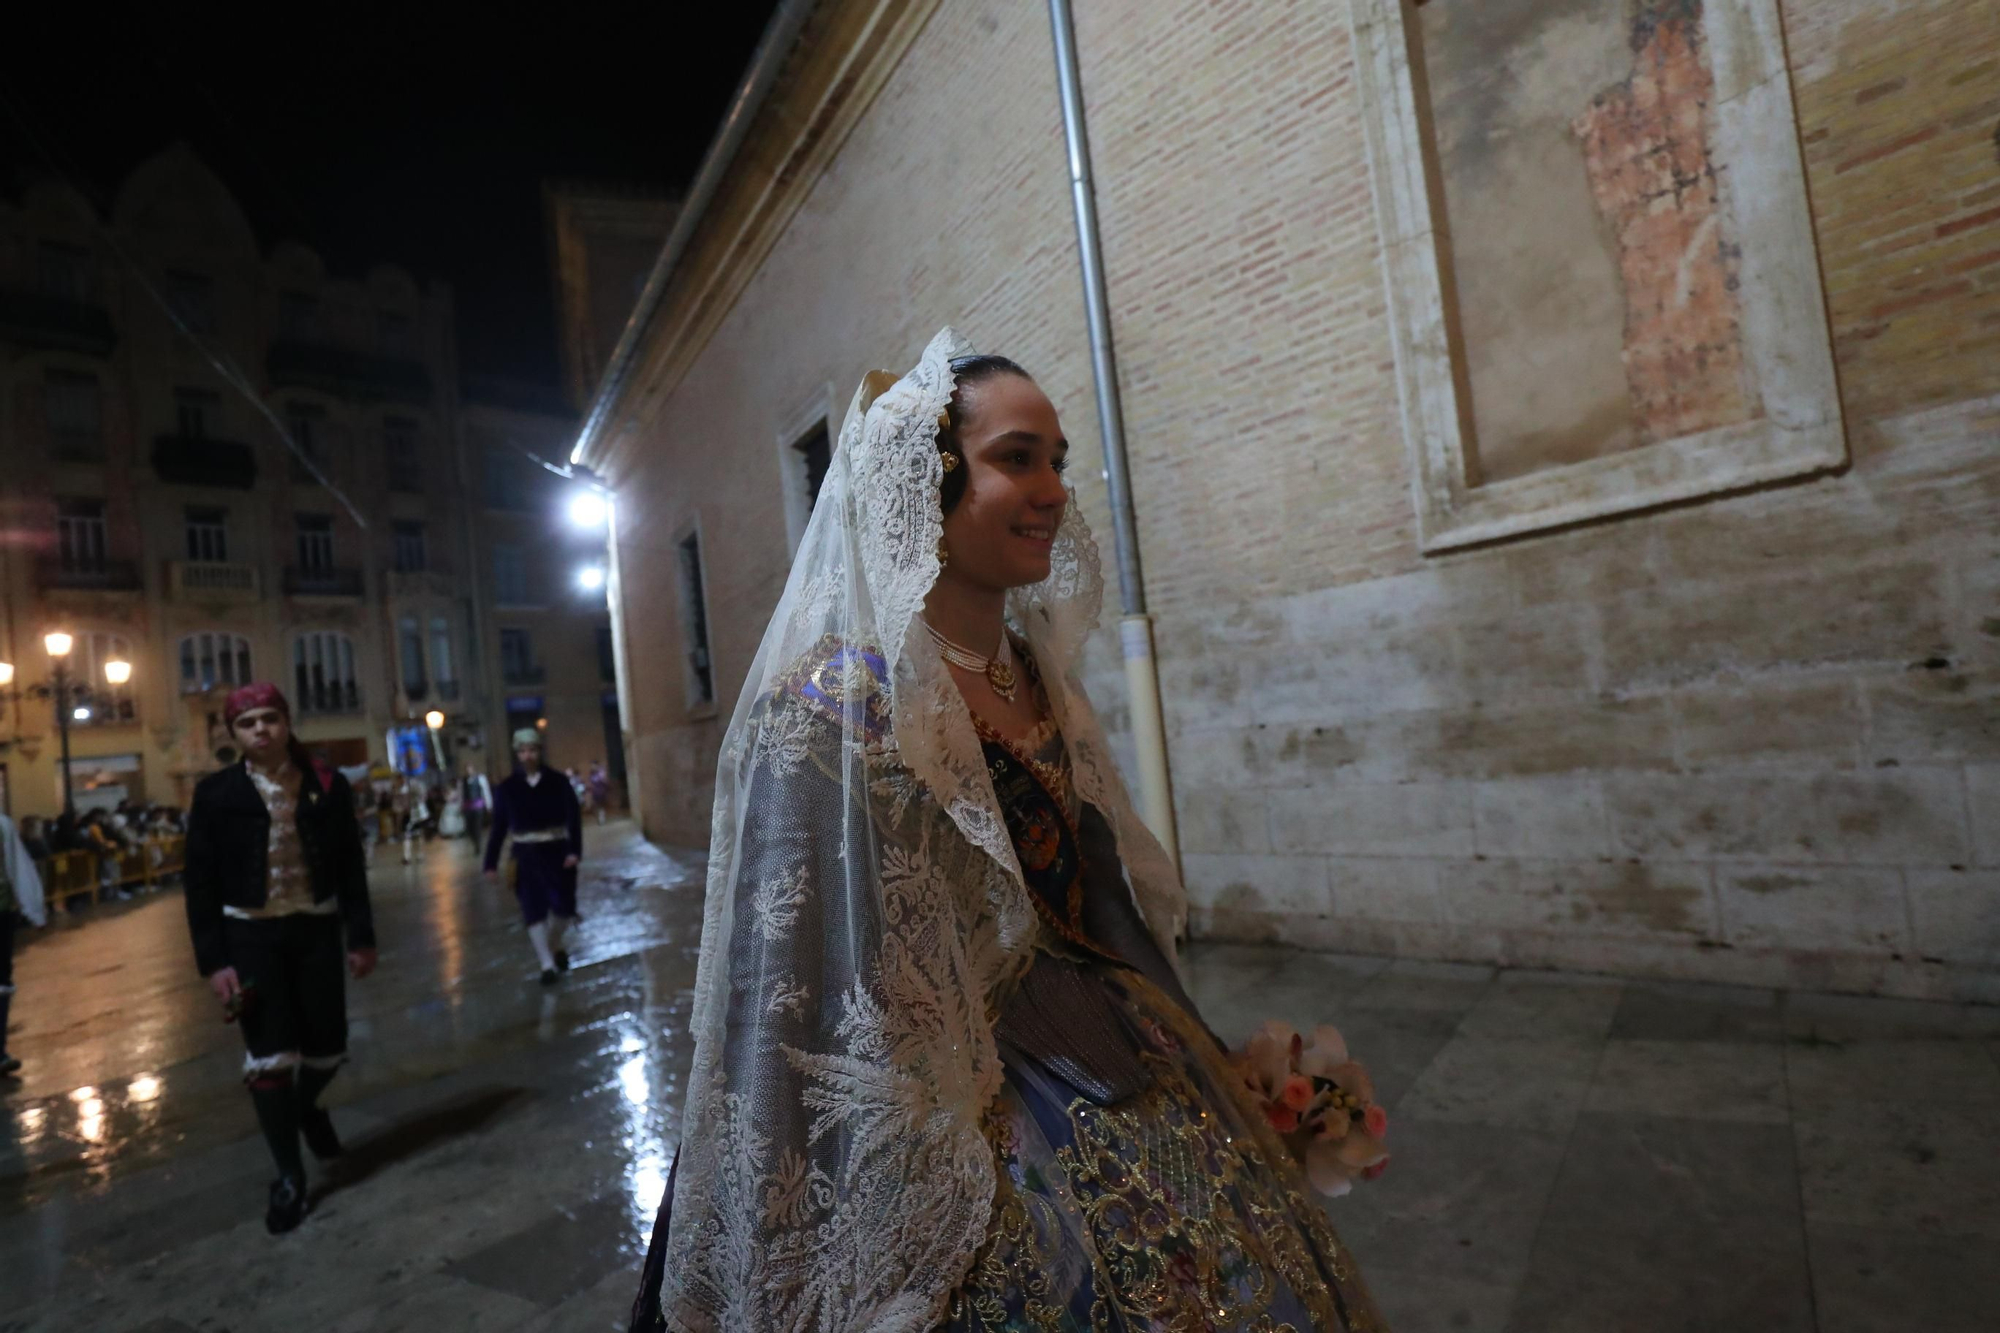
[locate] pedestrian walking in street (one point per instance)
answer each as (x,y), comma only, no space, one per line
(20,900)
(539,809)
(416,813)
(274,876)
(478,803)
(599,783)
(945,1073)
(451,823)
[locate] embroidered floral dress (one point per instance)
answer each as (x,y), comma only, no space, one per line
(1172,1207)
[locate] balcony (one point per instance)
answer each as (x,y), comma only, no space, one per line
(523,675)
(302,582)
(35,319)
(298,364)
(76,447)
(319,698)
(97,576)
(185,461)
(213,581)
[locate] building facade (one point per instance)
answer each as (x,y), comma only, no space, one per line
(601,247)
(546,632)
(1565,446)
(152,363)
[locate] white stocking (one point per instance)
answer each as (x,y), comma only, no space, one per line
(538,935)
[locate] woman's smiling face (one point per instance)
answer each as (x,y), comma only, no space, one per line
(1001,531)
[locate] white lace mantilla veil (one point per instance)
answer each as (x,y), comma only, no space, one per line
(866,915)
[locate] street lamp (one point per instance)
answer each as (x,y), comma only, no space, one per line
(59,644)
(588,509)
(435,721)
(590,578)
(71,698)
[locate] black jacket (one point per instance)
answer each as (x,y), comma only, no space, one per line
(228,843)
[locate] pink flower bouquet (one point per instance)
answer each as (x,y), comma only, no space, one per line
(1321,1103)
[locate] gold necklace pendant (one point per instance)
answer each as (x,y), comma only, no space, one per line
(1002,678)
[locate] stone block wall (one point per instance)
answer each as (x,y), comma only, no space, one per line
(1754,738)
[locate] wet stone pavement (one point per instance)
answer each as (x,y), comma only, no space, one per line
(1573,1154)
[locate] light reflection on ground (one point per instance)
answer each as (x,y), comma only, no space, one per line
(131,1104)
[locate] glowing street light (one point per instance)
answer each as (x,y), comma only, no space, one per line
(590,578)
(434,720)
(588,510)
(6,673)
(71,696)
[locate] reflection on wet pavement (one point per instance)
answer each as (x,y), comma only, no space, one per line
(507,1145)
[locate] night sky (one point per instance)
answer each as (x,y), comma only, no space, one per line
(403,136)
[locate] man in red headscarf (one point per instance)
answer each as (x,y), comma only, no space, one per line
(274,873)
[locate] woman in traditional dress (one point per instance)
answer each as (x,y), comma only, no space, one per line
(945,1074)
(451,824)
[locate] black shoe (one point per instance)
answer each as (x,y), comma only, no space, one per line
(562,960)
(316,1126)
(548,976)
(288,1205)
(8,1065)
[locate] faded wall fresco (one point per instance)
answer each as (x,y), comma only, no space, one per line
(1592,269)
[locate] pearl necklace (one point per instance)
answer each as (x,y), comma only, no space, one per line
(996,669)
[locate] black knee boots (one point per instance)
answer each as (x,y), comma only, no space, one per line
(277,1106)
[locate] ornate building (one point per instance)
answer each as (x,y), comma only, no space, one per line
(152,510)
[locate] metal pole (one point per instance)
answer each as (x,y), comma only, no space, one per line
(62,726)
(1097,310)
(1142,675)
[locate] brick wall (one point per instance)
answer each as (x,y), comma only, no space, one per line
(1756,738)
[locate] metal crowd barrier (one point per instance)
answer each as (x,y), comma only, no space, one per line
(76,874)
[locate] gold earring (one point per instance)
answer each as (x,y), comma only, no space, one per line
(950,461)
(944,554)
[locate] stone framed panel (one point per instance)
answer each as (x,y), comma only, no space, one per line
(1684,169)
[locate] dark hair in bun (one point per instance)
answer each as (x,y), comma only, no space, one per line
(965,370)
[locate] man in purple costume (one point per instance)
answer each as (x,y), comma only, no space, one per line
(539,808)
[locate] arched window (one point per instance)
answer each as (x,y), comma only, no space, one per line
(447,679)
(210,659)
(410,647)
(323,673)
(108,704)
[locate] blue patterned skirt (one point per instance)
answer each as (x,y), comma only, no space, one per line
(1174,1210)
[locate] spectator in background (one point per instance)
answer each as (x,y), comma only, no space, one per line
(20,899)
(34,836)
(101,842)
(65,835)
